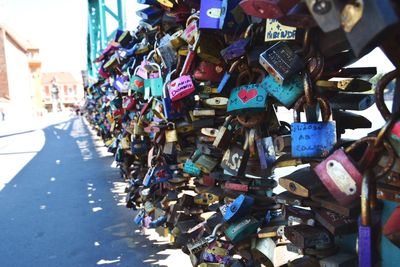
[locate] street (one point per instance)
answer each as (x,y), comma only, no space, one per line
(61,204)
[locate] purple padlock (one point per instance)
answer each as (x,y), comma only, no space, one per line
(210,14)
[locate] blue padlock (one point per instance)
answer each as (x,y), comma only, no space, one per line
(139,217)
(288,93)
(191,169)
(313,139)
(238,208)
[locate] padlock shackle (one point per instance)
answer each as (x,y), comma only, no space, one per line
(216,228)
(326,111)
(157,66)
(150,55)
(249,30)
(195,16)
(379,92)
(365,198)
(371,153)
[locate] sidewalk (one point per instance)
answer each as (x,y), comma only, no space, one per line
(19,124)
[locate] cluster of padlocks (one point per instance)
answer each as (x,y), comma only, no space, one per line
(189,104)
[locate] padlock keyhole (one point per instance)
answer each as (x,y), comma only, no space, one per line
(292,187)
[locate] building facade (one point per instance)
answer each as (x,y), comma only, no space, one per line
(60,90)
(19,74)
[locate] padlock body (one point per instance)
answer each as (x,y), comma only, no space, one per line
(156,86)
(238,208)
(340,176)
(181,87)
(242,229)
(247,97)
(266,152)
(313,139)
(288,93)
(210,14)
(394,137)
(234,160)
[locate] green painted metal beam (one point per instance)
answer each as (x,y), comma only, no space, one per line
(100,32)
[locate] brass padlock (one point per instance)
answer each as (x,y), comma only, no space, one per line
(171,134)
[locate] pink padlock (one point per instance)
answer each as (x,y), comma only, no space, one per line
(181,87)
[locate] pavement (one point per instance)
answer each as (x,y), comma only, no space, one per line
(62,204)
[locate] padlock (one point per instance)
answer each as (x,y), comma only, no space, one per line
(156,84)
(181,88)
(281,62)
(266,152)
(191,31)
(326,13)
(276,31)
(238,48)
(298,16)
(368,224)
(340,176)
(167,3)
(379,17)
(216,102)
(167,54)
(121,84)
(209,47)
(267,9)
(238,208)
(298,185)
(235,20)
(250,97)
(210,14)
(394,137)
(352,101)
(205,199)
(207,71)
(201,244)
(295,215)
(235,158)
(313,139)
(391,228)
(340,259)
(190,168)
(225,132)
(306,236)
(335,223)
(138,146)
(263,251)
(242,229)
(206,163)
(218,252)
(162,173)
(227,75)
(149,12)
(139,217)
(288,93)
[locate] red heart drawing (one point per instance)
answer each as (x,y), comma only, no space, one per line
(245,95)
(139,84)
(173,84)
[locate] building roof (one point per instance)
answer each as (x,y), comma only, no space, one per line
(24,45)
(61,77)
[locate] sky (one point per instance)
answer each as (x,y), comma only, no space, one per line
(59,29)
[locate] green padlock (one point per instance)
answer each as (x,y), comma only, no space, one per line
(156,84)
(242,229)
